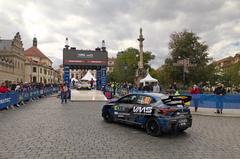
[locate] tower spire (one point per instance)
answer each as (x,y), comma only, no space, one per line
(35,41)
(103,45)
(66,43)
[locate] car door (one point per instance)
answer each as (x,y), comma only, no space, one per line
(123,107)
(140,109)
(143,105)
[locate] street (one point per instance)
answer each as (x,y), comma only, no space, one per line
(49,129)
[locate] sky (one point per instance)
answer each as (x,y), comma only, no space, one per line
(87,22)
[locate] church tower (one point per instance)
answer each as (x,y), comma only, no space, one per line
(35,41)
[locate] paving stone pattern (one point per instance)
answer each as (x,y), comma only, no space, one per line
(48,129)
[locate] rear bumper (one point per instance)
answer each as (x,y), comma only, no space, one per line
(175,123)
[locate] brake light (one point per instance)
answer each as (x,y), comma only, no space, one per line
(167,111)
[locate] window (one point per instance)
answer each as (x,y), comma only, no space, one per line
(40,70)
(45,71)
(34,79)
(144,100)
(130,99)
(34,69)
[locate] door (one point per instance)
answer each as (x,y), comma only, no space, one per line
(143,106)
(124,106)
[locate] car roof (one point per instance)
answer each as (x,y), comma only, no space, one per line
(157,96)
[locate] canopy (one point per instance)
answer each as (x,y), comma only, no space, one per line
(149,79)
(74,79)
(88,77)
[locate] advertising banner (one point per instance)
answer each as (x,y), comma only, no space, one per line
(103,77)
(99,76)
(66,74)
(85,57)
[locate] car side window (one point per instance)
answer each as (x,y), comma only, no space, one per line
(145,100)
(130,99)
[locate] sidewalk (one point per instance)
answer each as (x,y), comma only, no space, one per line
(210,112)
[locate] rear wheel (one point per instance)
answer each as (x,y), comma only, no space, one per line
(152,127)
(107,117)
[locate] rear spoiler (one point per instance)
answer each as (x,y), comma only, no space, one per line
(173,100)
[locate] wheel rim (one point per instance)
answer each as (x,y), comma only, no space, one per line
(153,127)
(107,116)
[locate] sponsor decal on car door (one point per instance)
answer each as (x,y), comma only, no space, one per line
(122,110)
(143,106)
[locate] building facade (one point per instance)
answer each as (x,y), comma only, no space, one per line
(12,59)
(228,61)
(111,62)
(38,67)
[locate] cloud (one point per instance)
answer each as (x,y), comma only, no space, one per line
(88,22)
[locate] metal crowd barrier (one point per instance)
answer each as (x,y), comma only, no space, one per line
(15,97)
(230,101)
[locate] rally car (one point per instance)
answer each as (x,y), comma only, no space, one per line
(84,85)
(157,113)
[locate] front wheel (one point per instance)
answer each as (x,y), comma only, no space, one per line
(152,127)
(107,117)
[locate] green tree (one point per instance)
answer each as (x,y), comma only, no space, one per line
(187,45)
(126,65)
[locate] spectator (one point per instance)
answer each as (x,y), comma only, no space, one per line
(156,88)
(174,86)
(219,92)
(146,88)
(3,88)
(91,83)
(194,91)
(64,92)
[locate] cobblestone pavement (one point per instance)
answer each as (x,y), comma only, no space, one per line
(47,129)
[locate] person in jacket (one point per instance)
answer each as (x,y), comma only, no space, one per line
(3,88)
(195,91)
(64,93)
(219,92)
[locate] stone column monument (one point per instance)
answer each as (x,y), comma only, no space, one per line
(141,72)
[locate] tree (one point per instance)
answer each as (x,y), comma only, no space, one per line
(187,45)
(126,65)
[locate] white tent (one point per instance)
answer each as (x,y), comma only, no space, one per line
(149,79)
(88,77)
(74,79)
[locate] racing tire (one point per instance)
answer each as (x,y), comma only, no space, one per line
(153,128)
(107,117)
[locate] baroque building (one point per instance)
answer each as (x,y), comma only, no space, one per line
(12,59)
(224,63)
(38,67)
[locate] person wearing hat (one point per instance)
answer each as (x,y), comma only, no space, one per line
(219,92)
